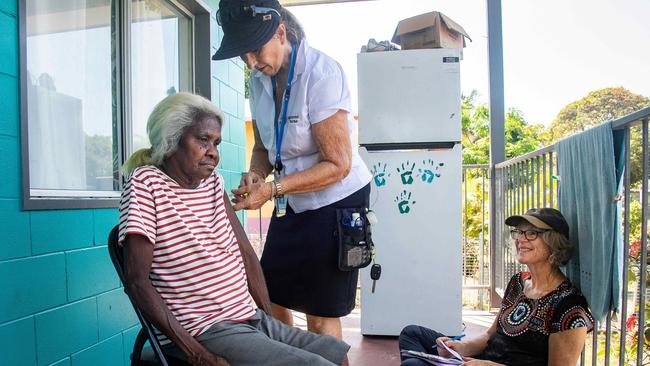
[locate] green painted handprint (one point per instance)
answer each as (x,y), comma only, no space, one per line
(429,170)
(406,173)
(403,203)
(379,175)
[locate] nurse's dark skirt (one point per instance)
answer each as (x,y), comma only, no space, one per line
(300,260)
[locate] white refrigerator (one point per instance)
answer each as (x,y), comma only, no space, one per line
(409,136)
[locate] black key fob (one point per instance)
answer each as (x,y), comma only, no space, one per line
(375,271)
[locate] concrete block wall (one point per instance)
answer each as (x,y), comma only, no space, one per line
(62,302)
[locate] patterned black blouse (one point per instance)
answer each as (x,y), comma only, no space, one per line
(524,324)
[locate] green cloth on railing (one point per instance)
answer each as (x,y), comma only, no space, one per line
(591,166)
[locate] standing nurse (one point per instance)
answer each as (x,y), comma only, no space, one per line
(300,105)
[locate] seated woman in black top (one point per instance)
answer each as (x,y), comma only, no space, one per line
(543,320)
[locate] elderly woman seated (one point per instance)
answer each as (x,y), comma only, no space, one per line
(189,266)
(543,318)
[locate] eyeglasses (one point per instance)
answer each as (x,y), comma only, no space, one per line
(250,11)
(528,234)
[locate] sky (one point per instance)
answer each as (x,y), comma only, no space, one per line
(555,51)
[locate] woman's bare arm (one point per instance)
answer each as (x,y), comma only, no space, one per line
(138,256)
(564,348)
(333,140)
(254,274)
(471,346)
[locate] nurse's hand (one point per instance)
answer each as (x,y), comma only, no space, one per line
(252,196)
(249,178)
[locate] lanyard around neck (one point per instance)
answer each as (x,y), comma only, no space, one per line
(279,125)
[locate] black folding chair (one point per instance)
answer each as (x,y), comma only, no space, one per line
(147,331)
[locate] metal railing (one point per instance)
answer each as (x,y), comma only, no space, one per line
(530,181)
(476,248)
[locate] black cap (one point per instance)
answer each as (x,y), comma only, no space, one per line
(543,218)
(246,26)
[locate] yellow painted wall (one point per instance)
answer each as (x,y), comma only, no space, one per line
(267,209)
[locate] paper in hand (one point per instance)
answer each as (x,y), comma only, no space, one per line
(434,359)
(453,353)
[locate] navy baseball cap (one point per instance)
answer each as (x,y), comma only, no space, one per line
(247,25)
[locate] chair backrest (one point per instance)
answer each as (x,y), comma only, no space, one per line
(117,256)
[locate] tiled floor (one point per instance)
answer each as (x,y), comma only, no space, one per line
(383,351)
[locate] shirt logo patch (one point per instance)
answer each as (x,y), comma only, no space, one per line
(293,119)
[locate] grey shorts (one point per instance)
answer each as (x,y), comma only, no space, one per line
(263,340)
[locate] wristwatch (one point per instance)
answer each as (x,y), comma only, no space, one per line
(278,188)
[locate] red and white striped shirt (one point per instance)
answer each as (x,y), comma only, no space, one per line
(197,268)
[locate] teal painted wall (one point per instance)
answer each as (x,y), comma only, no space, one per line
(62,303)
(228,94)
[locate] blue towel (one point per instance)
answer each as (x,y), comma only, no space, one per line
(591,166)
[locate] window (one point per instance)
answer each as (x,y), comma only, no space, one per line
(160,59)
(69,97)
(92,71)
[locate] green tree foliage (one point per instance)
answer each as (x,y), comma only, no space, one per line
(597,107)
(475,122)
(635,220)
(521,137)
(475,217)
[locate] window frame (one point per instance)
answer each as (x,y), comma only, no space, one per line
(200,75)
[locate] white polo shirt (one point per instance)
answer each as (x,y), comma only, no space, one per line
(319,89)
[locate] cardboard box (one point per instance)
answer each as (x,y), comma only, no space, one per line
(429,30)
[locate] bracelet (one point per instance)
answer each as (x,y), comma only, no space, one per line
(278,188)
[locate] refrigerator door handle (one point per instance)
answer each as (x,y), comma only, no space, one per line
(411,146)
